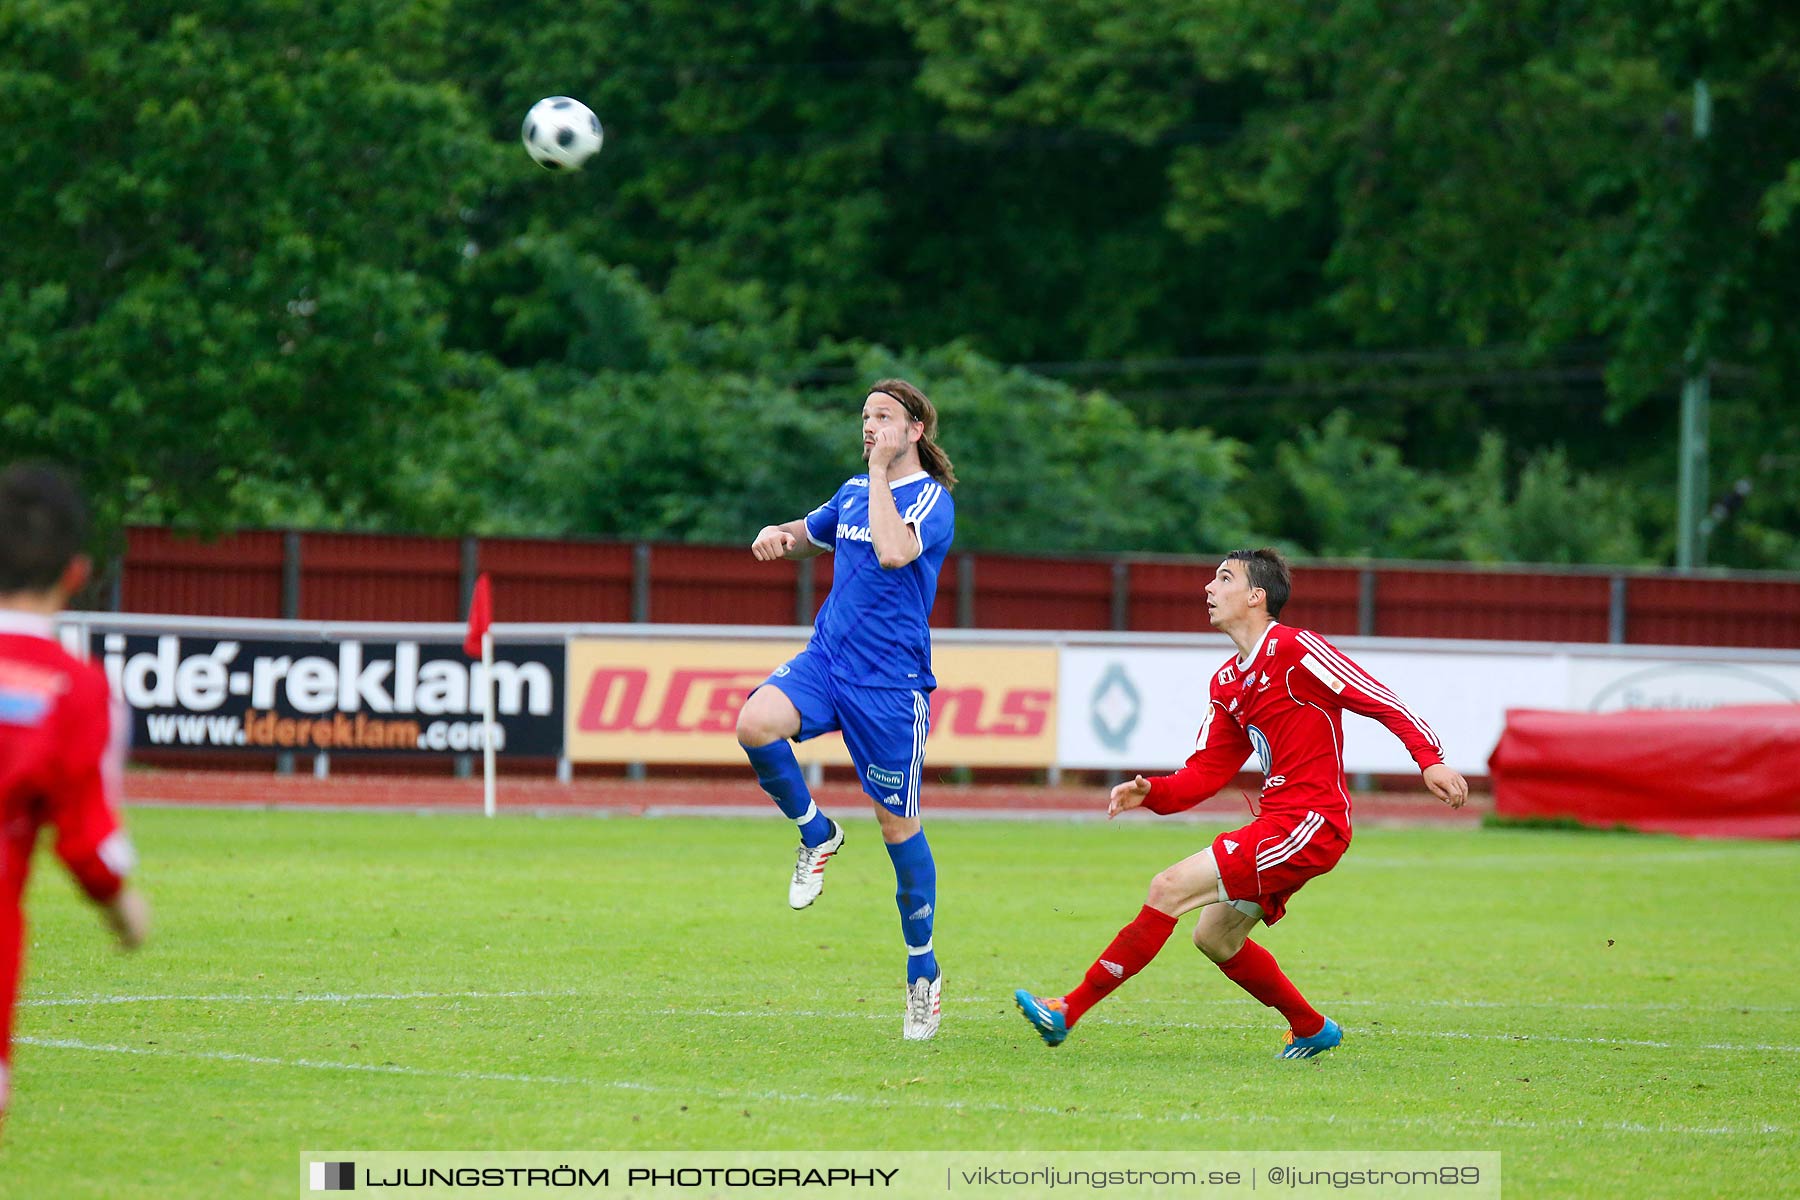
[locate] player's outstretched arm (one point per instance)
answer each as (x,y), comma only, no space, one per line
(1447,785)
(1130,794)
(783,541)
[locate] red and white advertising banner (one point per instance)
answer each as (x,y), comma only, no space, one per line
(676,701)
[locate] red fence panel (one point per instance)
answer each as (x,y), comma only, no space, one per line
(347,576)
(1506,605)
(719,585)
(234,576)
(379,577)
(1326,599)
(1712,612)
(1013,592)
(1169,597)
(558,581)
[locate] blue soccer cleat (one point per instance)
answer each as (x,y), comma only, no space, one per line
(1045,1015)
(1306,1047)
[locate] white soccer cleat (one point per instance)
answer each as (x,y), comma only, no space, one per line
(923,1003)
(809,868)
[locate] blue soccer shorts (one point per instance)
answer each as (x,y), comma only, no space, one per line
(884,728)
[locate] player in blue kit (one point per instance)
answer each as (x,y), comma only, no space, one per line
(867,669)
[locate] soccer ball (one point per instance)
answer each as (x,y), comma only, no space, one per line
(561,133)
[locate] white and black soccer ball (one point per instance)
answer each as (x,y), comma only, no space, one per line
(561,134)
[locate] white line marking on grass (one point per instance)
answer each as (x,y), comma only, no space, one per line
(787,1014)
(360,997)
(860,1101)
(1389,1031)
(879,1015)
(310,1064)
(295,998)
(1720,1008)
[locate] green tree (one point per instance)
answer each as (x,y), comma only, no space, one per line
(228,235)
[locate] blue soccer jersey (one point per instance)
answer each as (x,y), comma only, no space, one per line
(874,628)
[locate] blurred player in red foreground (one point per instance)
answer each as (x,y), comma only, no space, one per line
(1281,697)
(61,743)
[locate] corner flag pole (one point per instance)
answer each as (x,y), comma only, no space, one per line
(480,643)
(487,723)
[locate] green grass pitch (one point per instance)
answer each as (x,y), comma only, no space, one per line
(1617,1015)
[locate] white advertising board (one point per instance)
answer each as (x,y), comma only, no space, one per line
(1608,685)
(1138,708)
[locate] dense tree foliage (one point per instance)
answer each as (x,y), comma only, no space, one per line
(1405,279)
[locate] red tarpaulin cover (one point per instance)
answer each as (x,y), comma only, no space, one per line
(1721,772)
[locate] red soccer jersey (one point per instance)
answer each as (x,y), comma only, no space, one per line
(61,754)
(1285,704)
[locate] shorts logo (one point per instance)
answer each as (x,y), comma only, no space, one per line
(781,671)
(1230,846)
(1113,969)
(887,779)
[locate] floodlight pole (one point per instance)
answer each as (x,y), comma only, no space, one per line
(1696,400)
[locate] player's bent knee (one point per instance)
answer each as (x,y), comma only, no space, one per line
(1170,892)
(750,730)
(763,720)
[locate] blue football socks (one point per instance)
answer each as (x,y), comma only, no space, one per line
(915,875)
(779,773)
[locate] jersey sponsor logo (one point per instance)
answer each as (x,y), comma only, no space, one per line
(1265,682)
(1274,781)
(1113,969)
(881,777)
(1226,676)
(1230,846)
(853,533)
(1322,673)
(1270,652)
(1260,743)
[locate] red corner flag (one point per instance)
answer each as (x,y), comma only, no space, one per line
(481,615)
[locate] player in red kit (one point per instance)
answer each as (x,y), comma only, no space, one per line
(1281,698)
(61,745)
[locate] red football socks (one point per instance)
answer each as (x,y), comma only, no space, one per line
(1255,970)
(1129,953)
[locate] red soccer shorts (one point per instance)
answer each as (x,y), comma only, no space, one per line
(1270,859)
